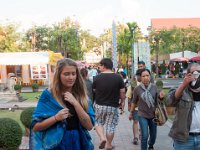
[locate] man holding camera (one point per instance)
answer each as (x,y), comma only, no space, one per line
(185,130)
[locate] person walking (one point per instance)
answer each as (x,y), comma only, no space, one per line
(134,116)
(141,65)
(144,97)
(63,114)
(109,89)
(84,73)
(185,130)
(124,77)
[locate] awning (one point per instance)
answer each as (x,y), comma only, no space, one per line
(179,59)
(24,58)
(197,58)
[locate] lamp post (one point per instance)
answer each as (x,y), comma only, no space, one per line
(132,52)
(183,45)
(157,40)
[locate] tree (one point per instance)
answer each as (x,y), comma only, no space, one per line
(88,41)
(106,38)
(39,37)
(10,39)
(62,37)
(126,37)
(176,40)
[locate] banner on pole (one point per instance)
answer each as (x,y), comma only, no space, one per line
(114,45)
(142,53)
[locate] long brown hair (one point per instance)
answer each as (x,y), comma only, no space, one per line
(78,89)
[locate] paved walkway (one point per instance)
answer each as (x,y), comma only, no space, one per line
(123,137)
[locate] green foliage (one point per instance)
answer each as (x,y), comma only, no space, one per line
(42,35)
(126,36)
(26,116)
(176,40)
(10,39)
(159,84)
(35,86)
(89,41)
(10,134)
(17,87)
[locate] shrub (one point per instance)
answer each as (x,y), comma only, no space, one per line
(10,134)
(159,84)
(26,116)
(17,87)
(35,86)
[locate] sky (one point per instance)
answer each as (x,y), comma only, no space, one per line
(95,15)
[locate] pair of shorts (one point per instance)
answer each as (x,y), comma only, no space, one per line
(108,116)
(135,115)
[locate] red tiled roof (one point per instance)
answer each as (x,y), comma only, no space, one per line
(167,23)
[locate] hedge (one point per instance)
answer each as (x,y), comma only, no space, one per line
(10,134)
(26,116)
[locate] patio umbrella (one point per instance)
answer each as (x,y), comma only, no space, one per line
(179,59)
(197,58)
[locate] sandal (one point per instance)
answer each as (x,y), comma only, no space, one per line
(135,141)
(113,147)
(102,144)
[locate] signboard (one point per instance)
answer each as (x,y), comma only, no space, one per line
(38,72)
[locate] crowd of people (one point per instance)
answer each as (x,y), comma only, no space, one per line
(171,70)
(80,100)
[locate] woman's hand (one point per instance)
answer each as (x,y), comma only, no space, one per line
(62,114)
(161,94)
(130,117)
(69,98)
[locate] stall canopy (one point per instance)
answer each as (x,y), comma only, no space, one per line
(24,58)
(195,58)
(179,59)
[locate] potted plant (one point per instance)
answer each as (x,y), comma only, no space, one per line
(18,88)
(35,87)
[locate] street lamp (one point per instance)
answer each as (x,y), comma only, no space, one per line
(132,52)
(157,40)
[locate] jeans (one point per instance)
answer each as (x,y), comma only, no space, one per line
(193,143)
(148,129)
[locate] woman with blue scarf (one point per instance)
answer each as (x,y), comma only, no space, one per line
(63,114)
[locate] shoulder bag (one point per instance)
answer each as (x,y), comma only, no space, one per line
(161,115)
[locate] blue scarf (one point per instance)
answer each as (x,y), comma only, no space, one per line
(47,139)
